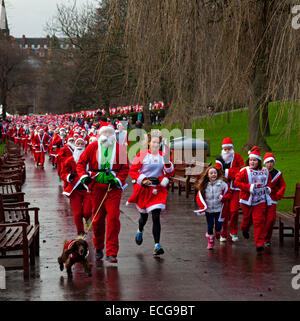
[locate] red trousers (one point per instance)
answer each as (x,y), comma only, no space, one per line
(24,145)
(81,205)
(258,213)
(17,141)
(270,221)
(232,214)
(40,157)
(109,213)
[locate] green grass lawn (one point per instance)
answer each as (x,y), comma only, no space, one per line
(2,146)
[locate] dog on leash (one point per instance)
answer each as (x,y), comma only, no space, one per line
(75,251)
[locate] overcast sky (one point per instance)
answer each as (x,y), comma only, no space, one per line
(28,17)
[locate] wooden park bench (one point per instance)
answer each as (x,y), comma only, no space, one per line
(13,165)
(180,179)
(18,234)
(10,191)
(186,175)
(11,175)
(290,220)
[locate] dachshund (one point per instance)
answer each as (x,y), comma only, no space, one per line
(75,251)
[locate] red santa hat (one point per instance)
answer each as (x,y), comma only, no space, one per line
(79,139)
(254,152)
(227,142)
(92,138)
(106,127)
(269,157)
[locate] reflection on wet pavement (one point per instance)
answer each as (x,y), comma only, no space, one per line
(187,271)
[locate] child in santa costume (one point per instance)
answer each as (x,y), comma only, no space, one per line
(278,188)
(150,170)
(213,192)
(230,163)
(80,199)
(254,182)
(108,167)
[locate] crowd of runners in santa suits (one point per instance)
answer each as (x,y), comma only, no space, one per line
(93,166)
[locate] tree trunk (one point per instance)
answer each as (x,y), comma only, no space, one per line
(256,137)
(146,112)
(265,124)
(4,100)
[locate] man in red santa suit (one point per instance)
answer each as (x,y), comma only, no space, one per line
(18,131)
(278,186)
(66,151)
(41,142)
(108,168)
(57,143)
(80,200)
(24,137)
(254,182)
(231,163)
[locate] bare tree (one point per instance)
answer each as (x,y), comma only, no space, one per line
(14,71)
(222,51)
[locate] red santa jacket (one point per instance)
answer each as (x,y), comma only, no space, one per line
(41,142)
(231,169)
(246,181)
(91,156)
(18,132)
(278,186)
(65,152)
(56,143)
(67,169)
(226,193)
(24,134)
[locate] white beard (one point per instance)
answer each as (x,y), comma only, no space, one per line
(77,153)
(106,141)
(72,145)
(228,157)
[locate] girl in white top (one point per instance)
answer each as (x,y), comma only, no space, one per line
(213,192)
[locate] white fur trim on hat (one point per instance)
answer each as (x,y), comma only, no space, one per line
(227,145)
(255,156)
(269,159)
(106,128)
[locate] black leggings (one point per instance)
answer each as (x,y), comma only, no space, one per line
(156,223)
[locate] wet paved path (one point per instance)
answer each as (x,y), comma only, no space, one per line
(187,271)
